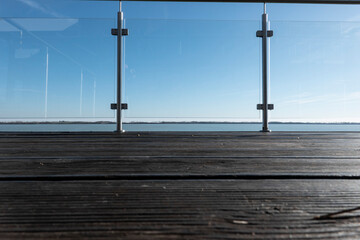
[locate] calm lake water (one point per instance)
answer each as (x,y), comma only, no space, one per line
(176,127)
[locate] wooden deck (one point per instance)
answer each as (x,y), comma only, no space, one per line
(180,185)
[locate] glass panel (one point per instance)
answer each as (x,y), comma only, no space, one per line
(57,68)
(314,71)
(192,70)
(58,9)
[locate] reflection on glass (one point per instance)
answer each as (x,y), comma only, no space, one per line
(314,71)
(192,70)
(56,68)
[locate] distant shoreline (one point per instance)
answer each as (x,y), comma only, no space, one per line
(109,122)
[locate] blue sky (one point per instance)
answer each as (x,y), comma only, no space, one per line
(183,61)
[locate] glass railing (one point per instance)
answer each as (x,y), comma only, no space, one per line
(191,70)
(64,69)
(56,69)
(315,71)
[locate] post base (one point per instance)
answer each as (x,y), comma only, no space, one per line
(265,130)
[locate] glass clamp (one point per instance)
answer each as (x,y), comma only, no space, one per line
(114,31)
(260,107)
(113,106)
(124,32)
(259,33)
(124,106)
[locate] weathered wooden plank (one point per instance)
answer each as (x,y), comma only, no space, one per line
(179,166)
(192,209)
(231,209)
(181,145)
(102,154)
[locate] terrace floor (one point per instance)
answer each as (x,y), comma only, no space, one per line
(193,185)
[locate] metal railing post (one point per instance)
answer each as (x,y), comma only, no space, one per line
(119,127)
(265,107)
(119,106)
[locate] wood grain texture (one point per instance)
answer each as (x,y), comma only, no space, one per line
(227,187)
(231,209)
(204,154)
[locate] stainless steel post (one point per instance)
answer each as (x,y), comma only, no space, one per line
(119,32)
(265,127)
(119,127)
(265,33)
